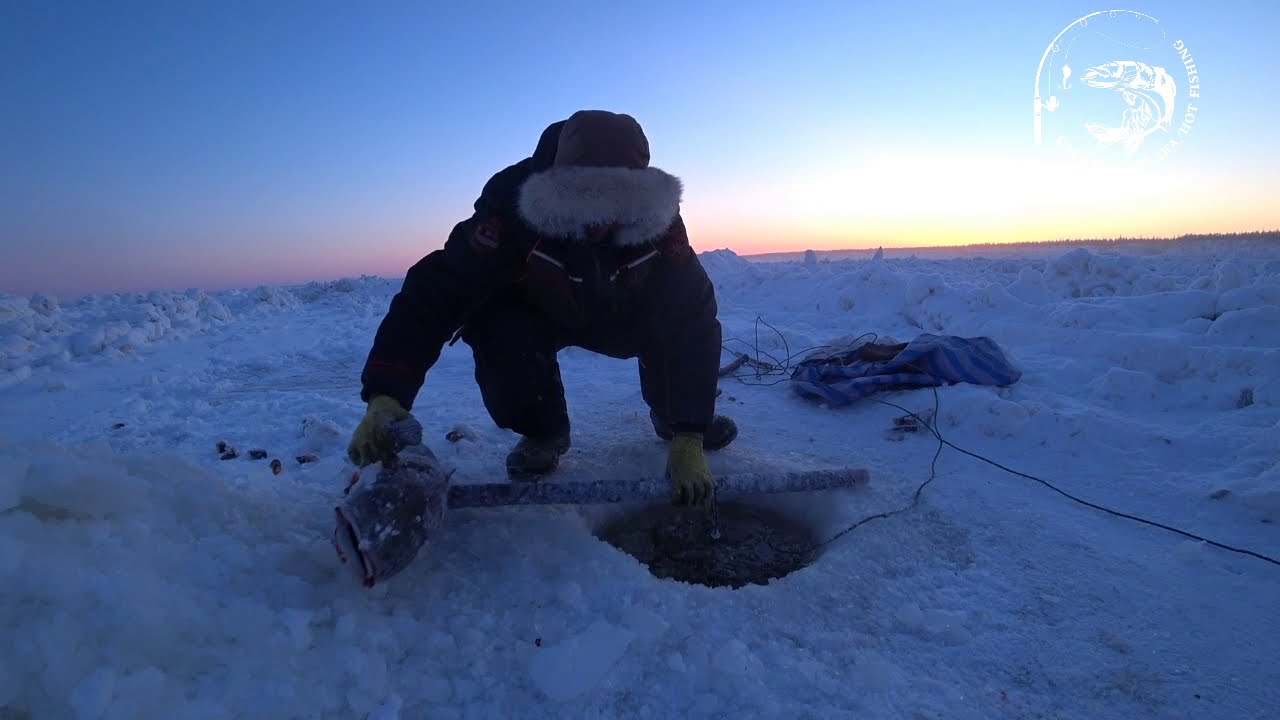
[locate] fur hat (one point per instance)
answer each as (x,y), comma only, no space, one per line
(599,138)
(600,176)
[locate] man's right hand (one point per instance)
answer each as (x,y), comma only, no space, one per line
(373,440)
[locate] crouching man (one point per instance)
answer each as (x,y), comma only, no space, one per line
(580,244)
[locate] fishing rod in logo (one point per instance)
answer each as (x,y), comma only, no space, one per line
(1115,84)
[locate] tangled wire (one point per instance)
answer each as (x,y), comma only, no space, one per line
(766,369)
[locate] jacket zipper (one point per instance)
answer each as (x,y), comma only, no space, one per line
(604,286)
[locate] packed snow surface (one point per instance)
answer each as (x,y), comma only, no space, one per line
(141,576)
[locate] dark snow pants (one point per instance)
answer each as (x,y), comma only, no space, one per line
(516,366)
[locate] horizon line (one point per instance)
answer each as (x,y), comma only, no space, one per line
(1018,243)
(934,249)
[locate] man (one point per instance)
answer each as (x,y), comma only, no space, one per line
(581,244)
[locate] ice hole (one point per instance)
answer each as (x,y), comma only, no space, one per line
(756,544)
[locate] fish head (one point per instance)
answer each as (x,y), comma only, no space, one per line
(1110,75)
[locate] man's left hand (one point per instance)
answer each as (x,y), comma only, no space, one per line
(687,470)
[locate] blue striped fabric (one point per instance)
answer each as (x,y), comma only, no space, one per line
(842,378)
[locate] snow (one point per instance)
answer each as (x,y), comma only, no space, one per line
(579,663)
(141,576)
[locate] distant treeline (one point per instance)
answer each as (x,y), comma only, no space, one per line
(1257,235)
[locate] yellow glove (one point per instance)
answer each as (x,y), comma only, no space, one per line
(687,470)
(373,440)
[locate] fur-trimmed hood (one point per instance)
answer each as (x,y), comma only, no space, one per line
(562,201)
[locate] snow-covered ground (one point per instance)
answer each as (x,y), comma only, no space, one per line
(142,576)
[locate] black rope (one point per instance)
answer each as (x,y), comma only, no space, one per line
(783,368)
(915,499)
(932,428)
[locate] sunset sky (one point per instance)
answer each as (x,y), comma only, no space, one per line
(167,145)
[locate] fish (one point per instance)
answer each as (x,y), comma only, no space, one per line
(1150,93)
(389,513)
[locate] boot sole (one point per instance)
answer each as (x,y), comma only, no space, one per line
(517,472)
(721,444)
(527,474)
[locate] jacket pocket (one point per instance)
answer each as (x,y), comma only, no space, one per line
(549,286)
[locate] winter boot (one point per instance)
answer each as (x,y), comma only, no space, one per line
(533,457)
(722,431)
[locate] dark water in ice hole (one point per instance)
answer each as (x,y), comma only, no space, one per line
(755,545)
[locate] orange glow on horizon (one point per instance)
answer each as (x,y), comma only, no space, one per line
(938,200)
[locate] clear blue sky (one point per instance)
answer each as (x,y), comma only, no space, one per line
(165,145)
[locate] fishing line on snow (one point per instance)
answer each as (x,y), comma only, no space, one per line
(763,365)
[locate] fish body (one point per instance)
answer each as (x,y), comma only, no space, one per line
(1148,91)
(389,514)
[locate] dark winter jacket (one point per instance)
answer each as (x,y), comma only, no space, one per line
(594,250)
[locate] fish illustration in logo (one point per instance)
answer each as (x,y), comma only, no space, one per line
(1148,91)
